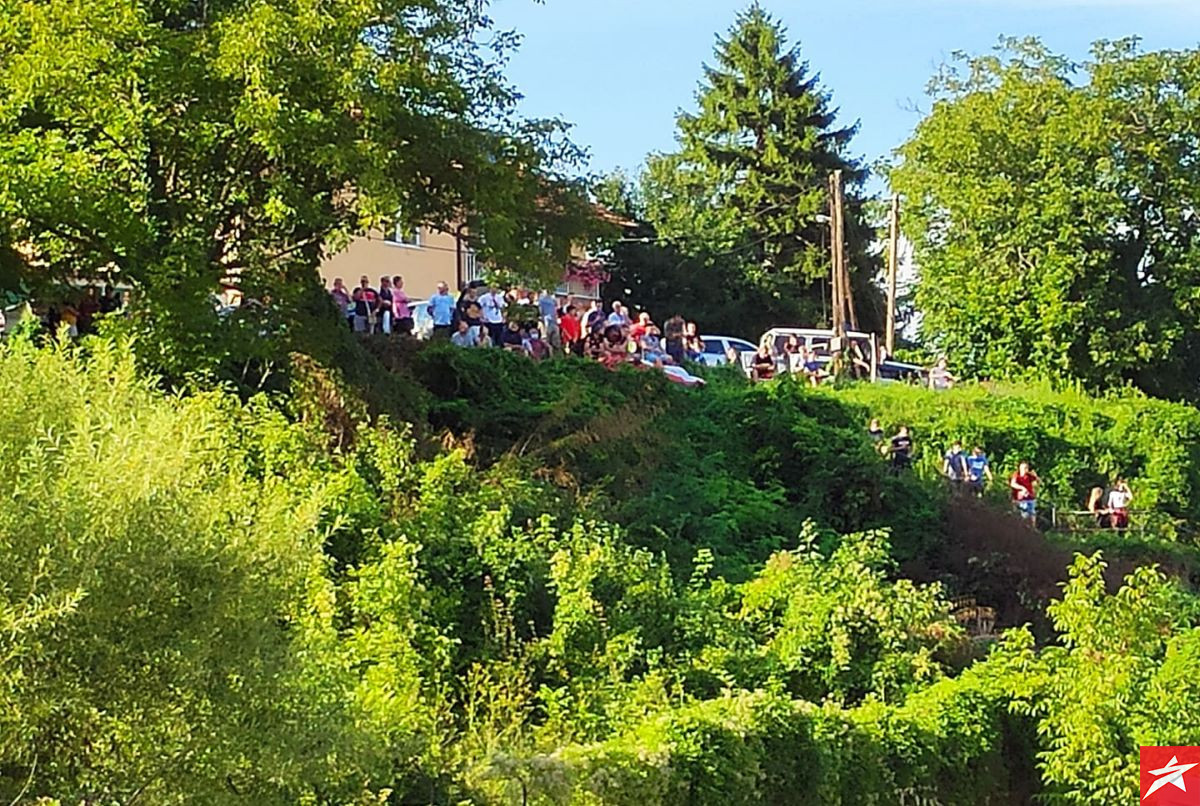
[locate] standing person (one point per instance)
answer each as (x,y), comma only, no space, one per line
(901,448)
(548,311)
(572,331)
(383,306)
(979,470)
(463,308)
(341,298)
(441,309)
(1023,484)
(492,305)
(954,465)
(1119,500)
(875,432)
(1095,505)
(595,315)
(673,334)
(364,305)
(402,318)
(940,377)
(618,316)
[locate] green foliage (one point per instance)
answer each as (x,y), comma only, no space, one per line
(944,746)
(740,198)
(164,610)
(734,468)
(1052,215)
(1113,684)
(179,145)
(1074,440)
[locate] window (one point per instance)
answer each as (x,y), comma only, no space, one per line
(714,347)
(470,266)
(403,235)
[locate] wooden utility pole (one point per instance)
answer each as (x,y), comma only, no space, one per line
(835,253)
(841,272)
(893,267)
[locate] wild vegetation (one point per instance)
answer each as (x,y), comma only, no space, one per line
(251,558)
(241,605)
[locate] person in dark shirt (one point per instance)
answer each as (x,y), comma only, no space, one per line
(673,334)
(901,449)
(764,363)
(954,465)
(979,470)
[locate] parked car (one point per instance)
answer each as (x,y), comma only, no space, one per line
(820,341)
(716,347)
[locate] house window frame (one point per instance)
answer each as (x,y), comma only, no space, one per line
(470,265)
(403,236)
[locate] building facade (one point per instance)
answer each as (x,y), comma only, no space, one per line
(425,256)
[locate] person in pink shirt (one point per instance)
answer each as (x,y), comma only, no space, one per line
(401,314)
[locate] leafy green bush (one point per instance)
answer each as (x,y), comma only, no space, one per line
(1073,440)
(163,603)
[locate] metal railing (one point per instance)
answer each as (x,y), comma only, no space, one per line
(1141,522)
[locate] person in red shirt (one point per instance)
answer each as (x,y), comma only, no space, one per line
(640,328)
(572,331)
(1023,485)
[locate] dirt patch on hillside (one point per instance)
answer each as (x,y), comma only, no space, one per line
(995,557)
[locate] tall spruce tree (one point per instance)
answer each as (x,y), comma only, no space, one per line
(750,178)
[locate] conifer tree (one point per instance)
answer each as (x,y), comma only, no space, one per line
(749,181)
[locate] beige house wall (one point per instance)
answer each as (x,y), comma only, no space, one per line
(435,260)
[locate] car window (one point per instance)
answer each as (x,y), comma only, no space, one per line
(742,346)
(714,347)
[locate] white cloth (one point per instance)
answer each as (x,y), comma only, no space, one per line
(1119,499)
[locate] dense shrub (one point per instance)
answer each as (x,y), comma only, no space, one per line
(1073,440)
(733,468)
(161,616)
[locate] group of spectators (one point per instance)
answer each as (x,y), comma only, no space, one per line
(796,358)
(1110,508)
(971,472)
(537,323)
(375,310)
(77,311)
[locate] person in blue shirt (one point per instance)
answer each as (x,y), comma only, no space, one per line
(441,308)
(979,471)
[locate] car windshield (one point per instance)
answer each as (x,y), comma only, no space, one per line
(714,346)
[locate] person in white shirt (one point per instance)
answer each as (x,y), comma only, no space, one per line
(1119,499)
(618,316)
(492,305)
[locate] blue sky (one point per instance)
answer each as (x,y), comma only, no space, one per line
(620,69)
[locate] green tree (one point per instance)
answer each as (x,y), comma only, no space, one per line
(1053,214)
(178,144)
(750,178)
(1112,684)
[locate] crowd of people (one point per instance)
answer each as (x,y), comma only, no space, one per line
(77,310)
(538,324)
(971,472)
